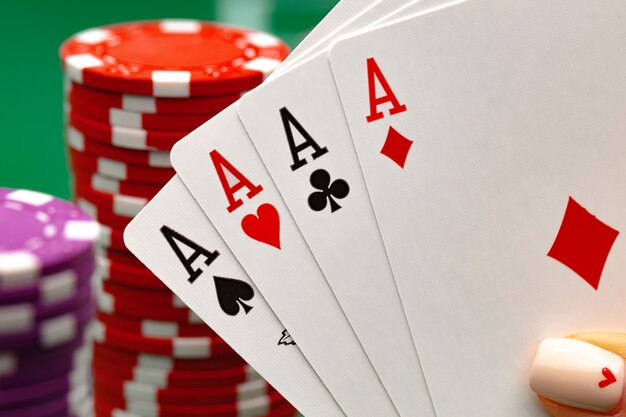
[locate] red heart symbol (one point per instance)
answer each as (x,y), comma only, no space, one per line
(265,226)
(610,378)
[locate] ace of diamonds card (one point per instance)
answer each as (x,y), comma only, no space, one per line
(491,137)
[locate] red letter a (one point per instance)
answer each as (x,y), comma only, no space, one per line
(374,73)
(219,162)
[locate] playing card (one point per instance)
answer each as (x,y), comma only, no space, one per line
(222,169)
(174,239)
(297,125)
(490,135)
(186,252)
(230,183)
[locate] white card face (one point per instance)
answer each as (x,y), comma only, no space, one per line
(227,178)
(173,238)
(287,370)
(492,166)
(378,401)
(297,125)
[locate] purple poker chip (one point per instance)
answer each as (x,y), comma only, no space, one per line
(72,403)
(52,288)
(16,319)
(31,375)
(12,362)
(19,366)
(24,369)
(52,332)
(41,235)
(13,397)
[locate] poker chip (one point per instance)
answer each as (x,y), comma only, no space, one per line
(21,317)
(150,105)
(102,215)
(122,257)
(13,363)
(136,120)
(176,347)
(118,204)
(125,137)
(130,95)
(120,170)
(124,275)
(111,239)
(181,368)
(145,58)
(50,289)
(128,307)
(47,264)
(35,371)
(154,159)
(51,332)
(69,403)
(41,236)
(114,186)
(164,298)
(155,328)
(160,378)
(131,390)
(102,409)
(261,405)
(14,396)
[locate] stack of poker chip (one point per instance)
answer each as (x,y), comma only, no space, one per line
(133,90)
(47,306)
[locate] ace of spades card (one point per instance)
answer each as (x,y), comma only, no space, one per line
(491,138)
(188,254)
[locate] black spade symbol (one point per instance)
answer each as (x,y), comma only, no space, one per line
(231,294)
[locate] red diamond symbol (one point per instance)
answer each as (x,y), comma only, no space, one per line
(583,243)
(396,147)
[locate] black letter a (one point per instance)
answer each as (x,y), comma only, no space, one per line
(289,120)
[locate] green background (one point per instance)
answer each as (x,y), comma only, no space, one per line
(32,151)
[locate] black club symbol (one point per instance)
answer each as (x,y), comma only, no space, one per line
(320,180)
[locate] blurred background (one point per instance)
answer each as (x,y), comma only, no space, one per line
(32,152)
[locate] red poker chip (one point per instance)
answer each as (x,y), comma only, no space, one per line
(102,215)
(120,170)
(112,238)
(114,186)
(178,347)
(105,409)
(124,257)
(132,390)
(171,58)
(155,159)
(111,271)
(175,368)
(166,298)
(136,120)
(120,205)
(129,307)
(101,410)
(161,378)
(155,328)
(152,105)
(125,137)
(256,406)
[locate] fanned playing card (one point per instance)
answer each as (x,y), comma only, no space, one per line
(256,230)
(222,169)
(305,143)
(491,138)
(174,239)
